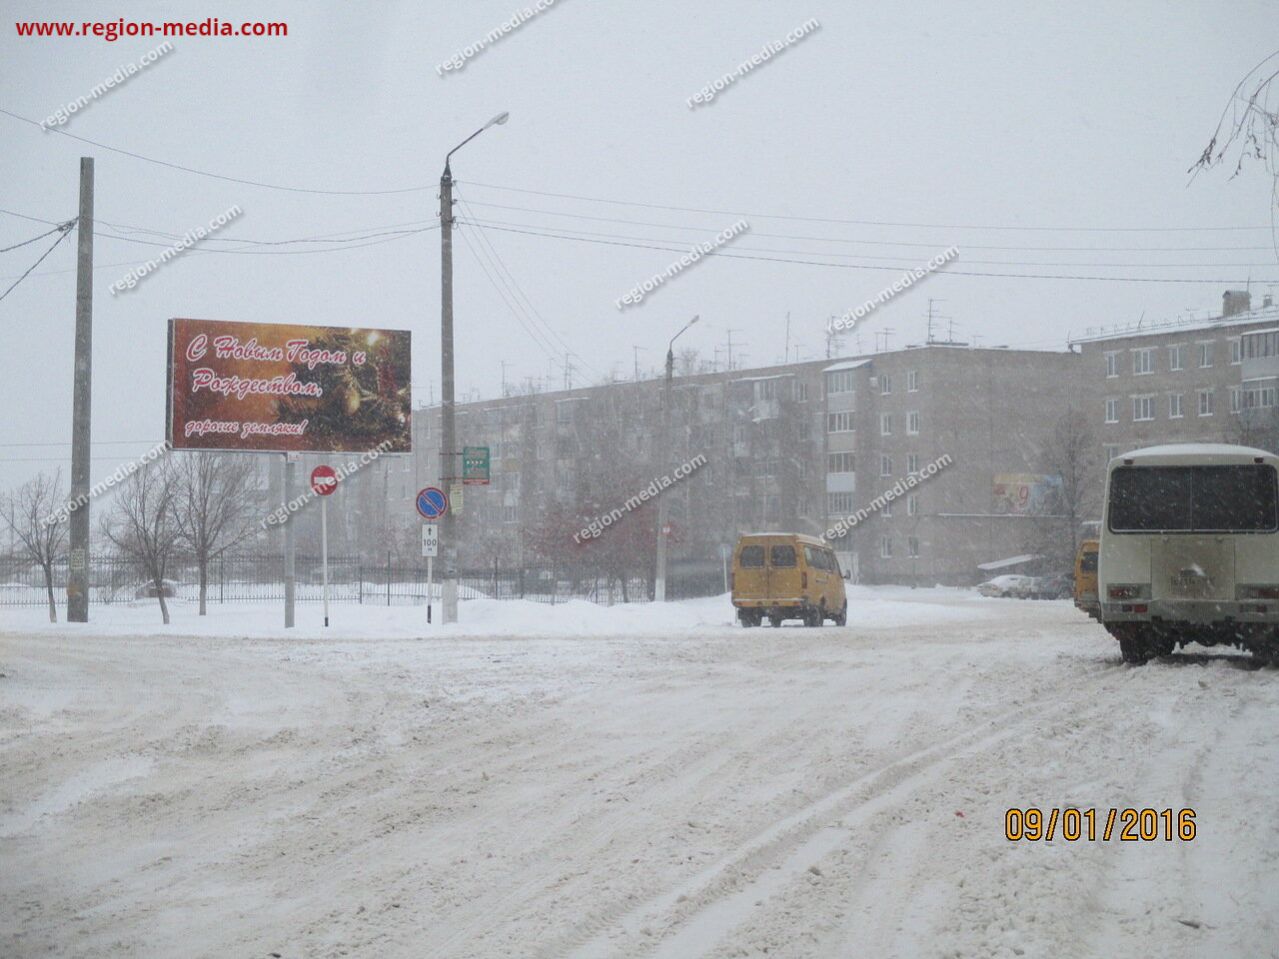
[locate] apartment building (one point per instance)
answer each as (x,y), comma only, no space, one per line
(796,447)
(1183,381)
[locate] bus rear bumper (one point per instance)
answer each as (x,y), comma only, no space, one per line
(1195,612)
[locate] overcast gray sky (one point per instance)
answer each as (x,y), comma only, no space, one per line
(998,125)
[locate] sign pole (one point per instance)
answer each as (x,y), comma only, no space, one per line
(430,586)
(290,541)
(324,553)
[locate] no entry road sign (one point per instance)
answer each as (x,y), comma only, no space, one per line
(324,480)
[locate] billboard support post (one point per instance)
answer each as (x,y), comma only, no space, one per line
(81,403)
(290,540)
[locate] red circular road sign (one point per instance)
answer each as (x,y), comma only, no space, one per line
(324,480)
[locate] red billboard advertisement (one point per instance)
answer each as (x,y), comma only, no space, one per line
(276,387)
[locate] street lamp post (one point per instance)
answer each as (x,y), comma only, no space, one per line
(448,441)
(659,585)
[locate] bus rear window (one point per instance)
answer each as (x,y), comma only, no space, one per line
(751,557)
(1185,499)
(782,557)
(1088,562)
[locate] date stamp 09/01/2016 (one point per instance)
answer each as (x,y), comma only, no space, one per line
(1075,825)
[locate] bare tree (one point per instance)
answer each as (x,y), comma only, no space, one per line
(142,525)
(1070,454)
(26,511)
(213,507)
(1249,129)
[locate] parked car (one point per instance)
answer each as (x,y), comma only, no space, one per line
(1009,585)
(1055,586)
(147,590)
(787,576)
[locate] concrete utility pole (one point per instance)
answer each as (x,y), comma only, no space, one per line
(659,584)
(81,405)
(448,438)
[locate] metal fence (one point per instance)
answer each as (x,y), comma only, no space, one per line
(253,577)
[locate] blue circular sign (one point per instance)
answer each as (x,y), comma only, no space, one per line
(432,503)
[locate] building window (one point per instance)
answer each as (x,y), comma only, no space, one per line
(1143,361)
(805,428)
(801,392)
(766,389)
(885,547)
(885,465)
(912,547)
(1112,411)
(885,424)
(839,504)
(1236,350)
(1236,399)
(1205,353)
(839,422)
(1259,346)
(912,504)
(840,463)
(510,514)
(885,384)
(912,463)
(1143,408)
(887,511)
(1174,406)
(912,381)
(1257,394)
(1112,364)
(912,422)
(1177,357)
(1205,402)
(1111,452)
(841,381)
(564,413)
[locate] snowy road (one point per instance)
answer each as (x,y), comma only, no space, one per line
(708,791)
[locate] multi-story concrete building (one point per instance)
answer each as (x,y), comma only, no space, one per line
(1183,381)
(795,447)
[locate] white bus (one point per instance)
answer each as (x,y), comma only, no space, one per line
(1190,550)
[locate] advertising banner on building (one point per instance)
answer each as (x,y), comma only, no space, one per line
(274,387)
(1022,494)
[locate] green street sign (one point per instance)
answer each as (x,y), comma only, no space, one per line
(475,465)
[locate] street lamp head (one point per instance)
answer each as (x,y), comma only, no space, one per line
(499,119)
(696,317)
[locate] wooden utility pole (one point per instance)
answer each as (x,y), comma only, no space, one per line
(82,400)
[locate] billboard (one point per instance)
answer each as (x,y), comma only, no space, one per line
(1020,494)
(275,387)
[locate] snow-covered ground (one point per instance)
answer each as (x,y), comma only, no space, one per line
(580,781)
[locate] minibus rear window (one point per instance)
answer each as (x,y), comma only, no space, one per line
(1193,499)
(782,557)
(752,557)
(1088,562)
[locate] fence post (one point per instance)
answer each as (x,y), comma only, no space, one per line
(359,572)
(388,577)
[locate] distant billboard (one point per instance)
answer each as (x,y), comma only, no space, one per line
(1020,494)
(275,387)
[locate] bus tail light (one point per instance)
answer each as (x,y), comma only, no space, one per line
(1128,591)
(1258,592)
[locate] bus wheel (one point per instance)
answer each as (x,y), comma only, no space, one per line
(841,618)
(1132,647)
(775,620)
(814,616)
(749,617)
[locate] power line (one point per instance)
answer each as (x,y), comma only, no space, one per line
(501,264)
(65,232)
(816,219)
(33,239)
(927,246)
(895,269)
(870,256)
(207,173)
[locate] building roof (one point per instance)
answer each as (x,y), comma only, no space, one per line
(1010,561)
(1132,330)
(846,365)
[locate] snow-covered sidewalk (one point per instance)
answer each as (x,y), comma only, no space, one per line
(636,781)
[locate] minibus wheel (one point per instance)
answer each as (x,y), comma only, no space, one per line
(1132,647)
(841,618)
